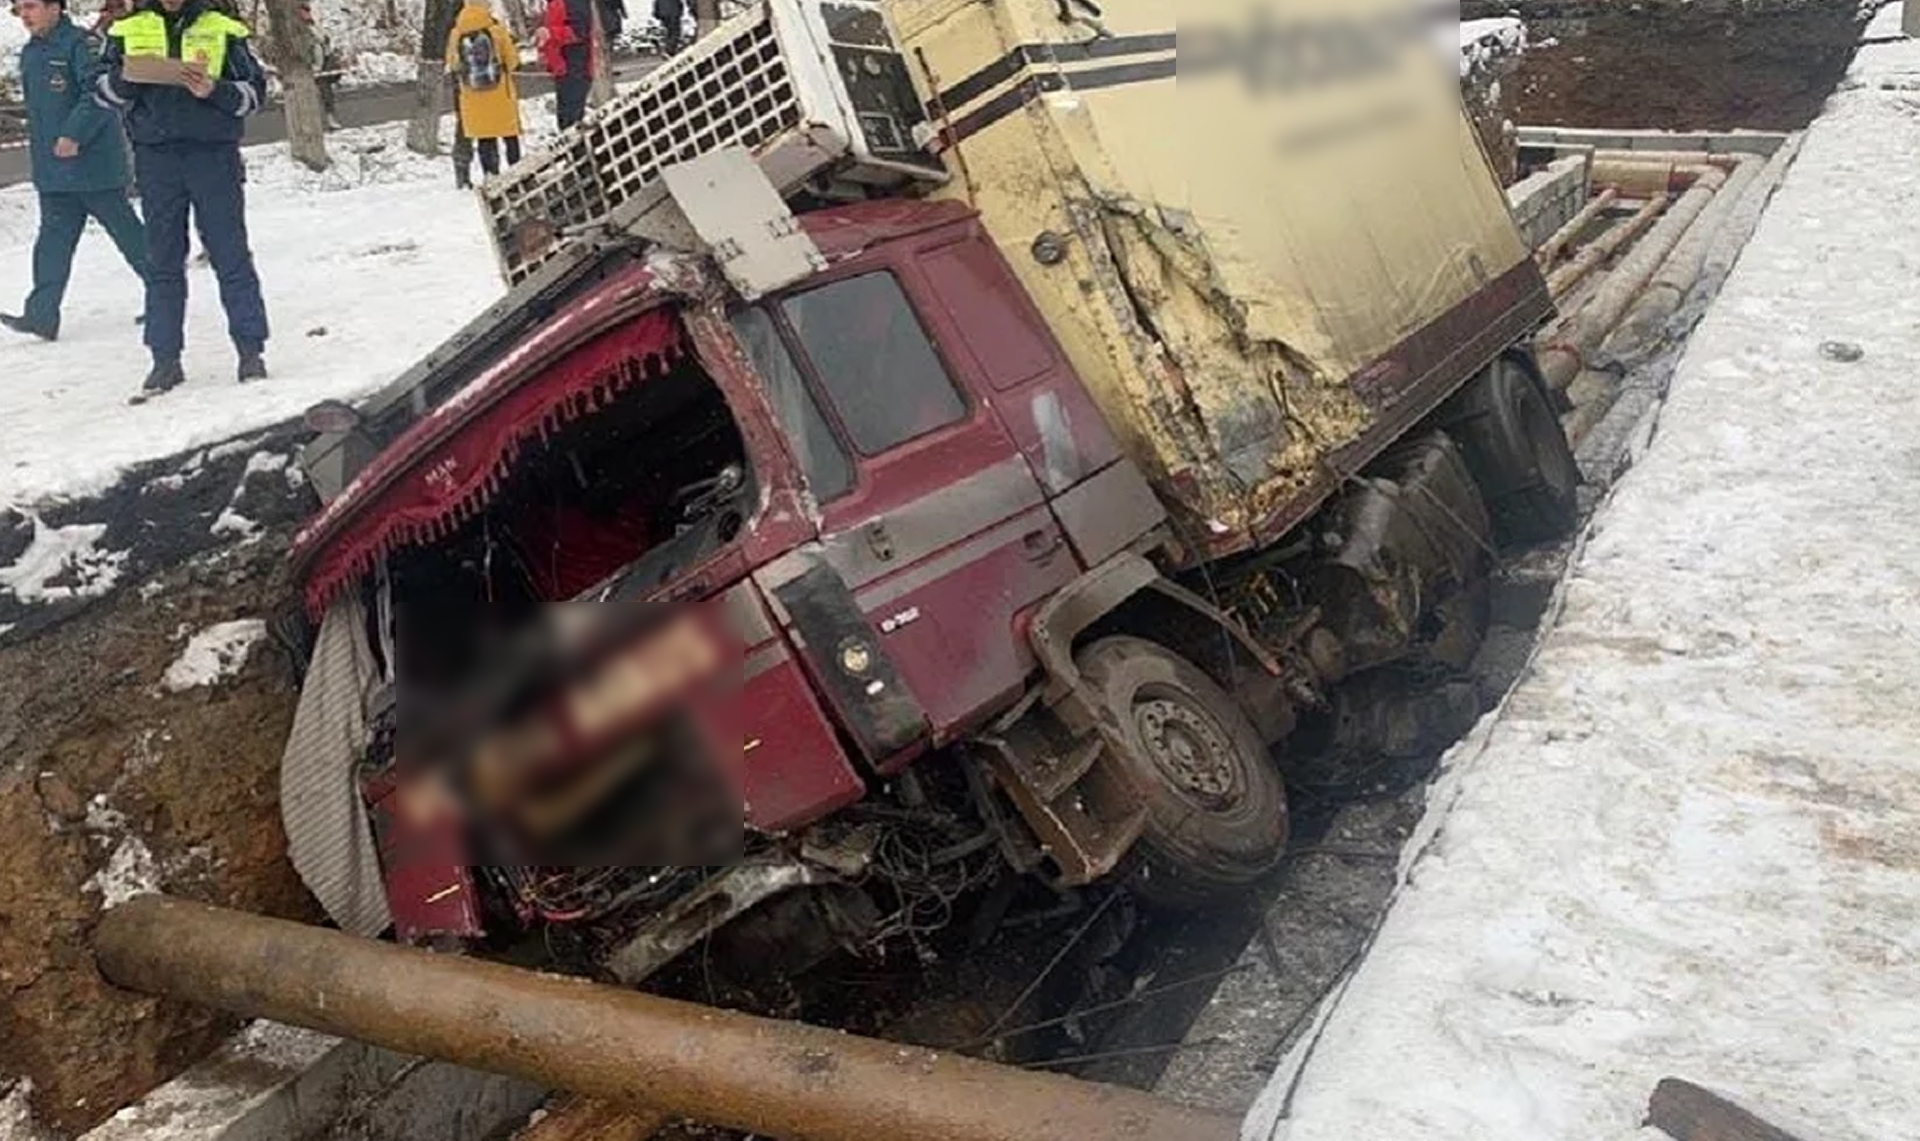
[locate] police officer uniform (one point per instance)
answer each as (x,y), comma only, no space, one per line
(57,72)
(187,160)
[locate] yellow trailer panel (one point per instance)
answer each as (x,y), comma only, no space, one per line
(1267,238)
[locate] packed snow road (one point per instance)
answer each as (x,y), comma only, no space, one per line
(1686,843)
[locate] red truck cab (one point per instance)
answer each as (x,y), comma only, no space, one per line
(891,464)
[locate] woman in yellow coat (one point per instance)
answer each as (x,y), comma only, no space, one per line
(482,57)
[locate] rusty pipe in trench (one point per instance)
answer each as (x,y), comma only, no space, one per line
(1642,179)
(783,1079)
(1562,350)
(1602,249)
(1550,250)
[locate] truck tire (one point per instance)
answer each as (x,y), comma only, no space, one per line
(1518,454)
(1216,805)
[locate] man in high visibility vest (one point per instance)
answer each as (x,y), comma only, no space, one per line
(186,129)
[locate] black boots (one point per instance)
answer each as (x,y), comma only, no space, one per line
(21,325)
(253,365)
(166,375)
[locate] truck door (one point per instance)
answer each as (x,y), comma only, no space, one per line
(931,515)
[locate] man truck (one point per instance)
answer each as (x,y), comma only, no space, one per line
(1069,415)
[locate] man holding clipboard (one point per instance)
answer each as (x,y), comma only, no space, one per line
(185,77)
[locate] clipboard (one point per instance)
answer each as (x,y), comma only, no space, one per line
(161,71)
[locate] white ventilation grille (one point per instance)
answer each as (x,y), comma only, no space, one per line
(733,88)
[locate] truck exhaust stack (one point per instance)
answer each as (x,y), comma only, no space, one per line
(774,1078)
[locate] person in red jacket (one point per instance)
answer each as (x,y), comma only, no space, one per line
(565,39)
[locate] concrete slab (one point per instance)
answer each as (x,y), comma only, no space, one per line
(282,1083)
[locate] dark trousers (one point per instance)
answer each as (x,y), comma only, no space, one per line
(63,218)
(490,152)
(210,183)
(672,15)
(570,92)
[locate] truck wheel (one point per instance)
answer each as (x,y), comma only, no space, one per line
(1216,806)
(1518,454)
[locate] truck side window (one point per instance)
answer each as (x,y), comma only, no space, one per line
(879,368)
(824,462)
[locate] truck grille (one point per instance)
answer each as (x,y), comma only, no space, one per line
(733,88)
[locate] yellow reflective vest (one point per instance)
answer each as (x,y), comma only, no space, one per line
(205,40)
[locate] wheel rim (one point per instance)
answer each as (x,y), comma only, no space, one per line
(1194,754)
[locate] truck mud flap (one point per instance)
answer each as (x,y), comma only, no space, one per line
(843,652)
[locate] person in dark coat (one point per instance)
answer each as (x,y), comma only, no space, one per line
(186,145)
(79,162)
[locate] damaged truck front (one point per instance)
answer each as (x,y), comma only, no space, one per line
(1119,417)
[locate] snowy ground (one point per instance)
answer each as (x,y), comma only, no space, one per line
(1689,843)
(365,268)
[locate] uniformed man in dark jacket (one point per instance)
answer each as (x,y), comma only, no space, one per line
(79,161)
(186,146)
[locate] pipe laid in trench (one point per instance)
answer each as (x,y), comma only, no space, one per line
(1649,179)
(1549,251)
(1602,249)
(1646,319)
(1563,350)
(781,1079)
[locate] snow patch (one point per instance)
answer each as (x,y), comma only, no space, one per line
(103,817)
(63,563)
(1483,42)
(129,874)
(381,314)
(214,654)
(232,524)
(16,1115)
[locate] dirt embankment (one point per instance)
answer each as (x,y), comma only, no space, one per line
(134,755)
(1668,64)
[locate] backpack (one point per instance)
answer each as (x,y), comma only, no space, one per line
(480,68)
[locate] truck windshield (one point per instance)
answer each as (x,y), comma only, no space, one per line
(652,481)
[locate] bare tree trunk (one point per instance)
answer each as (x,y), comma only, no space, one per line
(436,24)
(706,17)
(602,55)
(292,43)
(516,12)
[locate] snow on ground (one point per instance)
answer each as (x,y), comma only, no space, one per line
(61,562)
(129,874)
(1689,843)
(214,654)
(1483,41)
(365,267)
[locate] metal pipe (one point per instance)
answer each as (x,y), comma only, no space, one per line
(1672,158)
(1647,317)
(1649,179)
(781,1079)
(1549,251)
(1602,249)
(1563,349)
